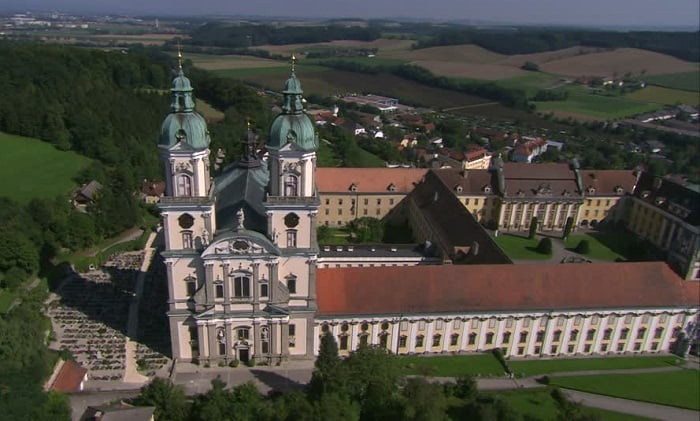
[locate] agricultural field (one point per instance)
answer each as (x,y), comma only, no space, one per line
(618,62)
(676,388)
(660,95)
(687,81)
(599,106)
(382,44)
(232,62)
(33,168)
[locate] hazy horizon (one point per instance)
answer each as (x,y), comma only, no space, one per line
(620,13)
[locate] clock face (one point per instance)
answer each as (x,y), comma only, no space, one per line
(291,220)
(240,245)
(186,221)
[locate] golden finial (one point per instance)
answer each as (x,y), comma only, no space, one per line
(294,62)
(179,55)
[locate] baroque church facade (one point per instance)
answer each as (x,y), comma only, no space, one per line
(248,281)
(240,249)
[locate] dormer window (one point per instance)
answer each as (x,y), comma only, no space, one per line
(619,190)
(353,187)
(591,190)
(659,201)
(458,188)
(645,194)
(487,189)
(391,187)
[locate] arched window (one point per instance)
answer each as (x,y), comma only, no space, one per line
(191,283)
(489,338)
(419,341)
(436,340)
(291,185)
(454,339)
(623,333)
(243,333)
(402,341)
(264,289)
(241,286)
(472,338)
(184,185)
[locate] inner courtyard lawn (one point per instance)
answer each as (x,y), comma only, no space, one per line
(538,404)
(538,367)
(32,168)
(604,245)
(679,388)
(452,366)
(520,248)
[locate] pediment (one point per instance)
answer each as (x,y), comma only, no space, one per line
(241,243)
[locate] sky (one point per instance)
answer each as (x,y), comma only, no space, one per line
(567,12)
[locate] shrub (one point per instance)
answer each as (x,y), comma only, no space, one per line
(583,247)
(533,227)
(222,364)
(545,246)
(233,364)
(250,363)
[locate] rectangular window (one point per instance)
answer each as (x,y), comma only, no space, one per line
(391,201)
(438,324)
(553,349)
(364,211)
(577,321)
(187,240)
(620,347)
(640,333)
(557,336)
(637,346)
(402,341)
(594,320)
(509,322)
(604,348)
(590,334)
(492,323)
(454,340)
(587,348)
(436,340)
(475,323)
(404,325)
(623,333)
(523,337)
(628,319)
(570,349)
(327,211)
(343,342)
(655,346)
(219,291)
(573,335)
(291,239)
(526,322)
(658,333)
(489,338)
(264,290)
(421,325)
(607,334)
(506,337)
(419,341)
(379,201)
(560,321)
(340,211)
(456,324)
(379,211)
(292,330)
(292,285)
(243,334)
(265,347)
(191,287)
(340,201)
(521,350)
(466,201)
(540,336)
(241,286)
(222,348)
(328,201)
(366,201)
(472,338)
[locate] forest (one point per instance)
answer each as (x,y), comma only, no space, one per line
(222,34)
(683,45)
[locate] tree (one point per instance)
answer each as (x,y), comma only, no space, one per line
(583,247)
(568,227)
(424,401)
(334,406)
(466,388)
(367,229)
(530,66)
(325,366)
(533,227)
(169,400)
(55,408)
(545,246)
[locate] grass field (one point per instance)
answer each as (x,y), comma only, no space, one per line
(538,404)
(33,168)
(600,106)
(676,388)
(603,245)
(520,248)
(662,95)
(531,82)
(537,367)
(689,81)
(223,62)
(452,366)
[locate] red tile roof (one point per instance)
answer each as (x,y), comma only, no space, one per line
(606,181)
(478,288)
(367,180)
(69,377)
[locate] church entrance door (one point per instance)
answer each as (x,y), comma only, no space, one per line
(243,355)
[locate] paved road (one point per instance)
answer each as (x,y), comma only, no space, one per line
(642,409)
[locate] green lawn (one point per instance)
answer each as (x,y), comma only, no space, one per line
(335,236)
(689,81)
(283,69)
(676,388)
(599,106)
(33,168)
(665,96)
(366,61)
(605,245)
(520,248)
(452,365)
(538,404)
(537,367)
(530,82)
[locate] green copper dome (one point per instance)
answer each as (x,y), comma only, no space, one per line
(190,128)
(183,124)
(293,125)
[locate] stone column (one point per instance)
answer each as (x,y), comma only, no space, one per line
(257,340)
(312,284)
(171,293)
(209,282)
(202,341)
(274,281)
(213,341)
(285,338)
(229,339)
(256,288)
(274,337)
(310,336)
(227,288)
(166,229)
(175,338)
